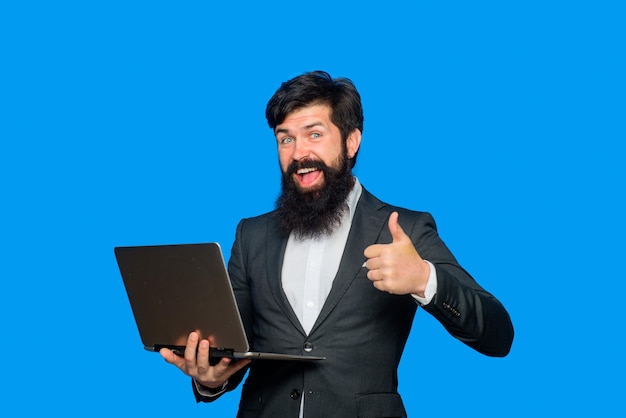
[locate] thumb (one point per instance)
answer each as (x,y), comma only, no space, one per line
(397,233)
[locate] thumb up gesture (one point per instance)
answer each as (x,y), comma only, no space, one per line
(397,268)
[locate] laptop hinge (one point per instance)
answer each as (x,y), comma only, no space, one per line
(215,354)
(221,352)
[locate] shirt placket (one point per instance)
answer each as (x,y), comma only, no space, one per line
(311,291)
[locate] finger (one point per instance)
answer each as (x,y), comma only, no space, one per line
(221,367)
(373,250)
(223,370)
(202,358)
(375,275)
(373,263)
(380,285)
(397,233)
(190,351)
(384,285)
(170,357)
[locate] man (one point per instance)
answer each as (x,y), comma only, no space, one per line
(335,272)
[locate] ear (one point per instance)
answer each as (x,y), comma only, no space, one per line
(353,142)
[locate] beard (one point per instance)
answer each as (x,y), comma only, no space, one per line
(314,213)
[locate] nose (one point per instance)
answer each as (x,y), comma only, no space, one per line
(301,150)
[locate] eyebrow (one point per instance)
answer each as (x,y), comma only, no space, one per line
(304,128)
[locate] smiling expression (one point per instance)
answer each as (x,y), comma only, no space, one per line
(306,136)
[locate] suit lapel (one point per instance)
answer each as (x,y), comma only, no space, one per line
(275,252)
(369,219)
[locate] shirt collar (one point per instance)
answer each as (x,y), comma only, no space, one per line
(353,197)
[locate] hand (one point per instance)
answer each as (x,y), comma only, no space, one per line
(397,268)
(195,363)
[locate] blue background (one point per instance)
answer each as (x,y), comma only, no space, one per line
(140,122)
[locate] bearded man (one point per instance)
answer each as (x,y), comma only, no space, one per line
(335,272)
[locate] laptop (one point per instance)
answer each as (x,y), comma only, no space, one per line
(176,289)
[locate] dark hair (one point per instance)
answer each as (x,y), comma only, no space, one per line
(318,87)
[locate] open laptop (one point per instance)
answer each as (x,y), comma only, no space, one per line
(176,289)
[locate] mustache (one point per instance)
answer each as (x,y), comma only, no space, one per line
(297,165)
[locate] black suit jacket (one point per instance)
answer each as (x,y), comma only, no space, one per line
(360,330)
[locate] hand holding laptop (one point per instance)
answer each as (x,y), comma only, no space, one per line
(176,289)
(196,363)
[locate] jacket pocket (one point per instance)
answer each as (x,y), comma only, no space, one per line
(378,405)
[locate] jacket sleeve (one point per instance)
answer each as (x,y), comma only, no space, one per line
(466,310)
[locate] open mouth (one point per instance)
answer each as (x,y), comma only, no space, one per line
(308,176)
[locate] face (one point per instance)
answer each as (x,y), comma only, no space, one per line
(307,137)
(317,177)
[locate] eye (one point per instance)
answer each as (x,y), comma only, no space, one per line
(316,135)
(286,140)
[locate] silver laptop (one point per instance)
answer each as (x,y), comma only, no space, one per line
(176,289)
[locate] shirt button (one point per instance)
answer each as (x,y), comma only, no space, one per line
(295,394)
(308,347)
(310,304)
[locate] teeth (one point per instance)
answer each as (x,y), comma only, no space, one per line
(306,170)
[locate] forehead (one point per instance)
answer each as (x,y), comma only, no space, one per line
(318,115)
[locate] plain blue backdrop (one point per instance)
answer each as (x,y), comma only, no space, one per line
(138,122)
